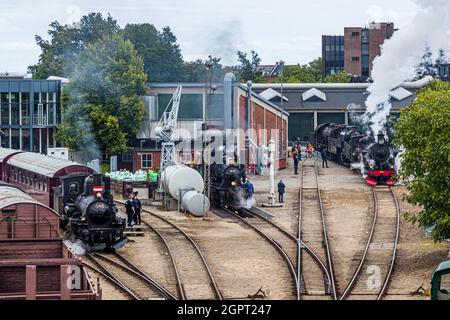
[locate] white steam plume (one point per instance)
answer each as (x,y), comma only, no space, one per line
(403,52)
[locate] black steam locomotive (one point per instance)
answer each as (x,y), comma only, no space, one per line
(227,185)
(87,211)
(347,146)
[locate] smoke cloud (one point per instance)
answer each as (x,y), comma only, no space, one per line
(225,41)
(403,52)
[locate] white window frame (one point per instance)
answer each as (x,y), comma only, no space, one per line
(148,155)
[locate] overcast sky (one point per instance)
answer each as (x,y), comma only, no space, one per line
(283,29)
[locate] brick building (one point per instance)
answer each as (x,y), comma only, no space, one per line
(355,50)
(227,105)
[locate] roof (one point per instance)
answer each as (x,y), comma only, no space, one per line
(337,96)
(4,152)
(400,93)
(269,94)
(10,195)
(444,265)
(313,92)
(256,95)
(41,163)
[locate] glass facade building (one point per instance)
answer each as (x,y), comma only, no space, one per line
(30,110)
(333,54)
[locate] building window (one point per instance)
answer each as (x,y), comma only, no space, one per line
(365,48)
(127,156)
(191,105)
(355,33)
(355,58)
(146,160)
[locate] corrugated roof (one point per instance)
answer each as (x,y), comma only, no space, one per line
(40,163)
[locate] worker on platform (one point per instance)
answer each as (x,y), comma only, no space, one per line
(249,191)
(310,150)
(129,206)
(323,154)
(137,208)
(295,156)
(281,190)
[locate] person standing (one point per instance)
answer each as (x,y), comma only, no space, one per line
(129,206)
(249,190)
(281,190)
(323,154)
(295,155)
(137,209)
(310,150)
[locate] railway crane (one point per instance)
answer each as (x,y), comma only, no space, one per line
(165,130)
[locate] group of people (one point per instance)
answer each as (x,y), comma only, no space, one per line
(297,156)
(134,207)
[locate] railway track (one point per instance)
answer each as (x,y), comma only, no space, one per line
(311,214)
(193,274)
(373,273)
(288,240)
(126,276)
(271,239)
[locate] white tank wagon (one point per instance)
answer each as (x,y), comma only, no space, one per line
(180,178)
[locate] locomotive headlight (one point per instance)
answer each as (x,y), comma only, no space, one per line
(371,167)
(392,167)
(83,218)
(233,183)
(99,194)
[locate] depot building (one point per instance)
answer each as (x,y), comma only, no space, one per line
(216,106)
(311,104)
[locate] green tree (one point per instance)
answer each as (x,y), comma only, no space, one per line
(247,69)
(423,130)
(67,41)
(307,73)
(163,61)
(340,77)
(195,71)
(102,105)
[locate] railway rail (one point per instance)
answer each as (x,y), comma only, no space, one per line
(190,280)
(278,247)
(125,275)
(374,255)
(259,213)
(311,209)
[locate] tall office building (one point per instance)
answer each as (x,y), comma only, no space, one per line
(355,50)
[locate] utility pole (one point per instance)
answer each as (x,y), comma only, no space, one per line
(206,140)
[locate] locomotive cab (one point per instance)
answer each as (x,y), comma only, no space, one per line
(440,282)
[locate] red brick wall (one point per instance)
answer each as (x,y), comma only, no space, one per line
(352,49)
(137,163)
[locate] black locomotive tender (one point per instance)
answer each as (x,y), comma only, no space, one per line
(347,146)
(227,182)
(88,212)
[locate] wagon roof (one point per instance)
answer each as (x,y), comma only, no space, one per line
(10,195)
(4,152)
(42,164)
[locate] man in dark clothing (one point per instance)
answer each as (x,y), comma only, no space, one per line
(295,163)
(137,209)
(281,190)
(323,154)
(129,206)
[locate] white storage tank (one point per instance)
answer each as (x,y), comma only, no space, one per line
(195,202)
(178,177)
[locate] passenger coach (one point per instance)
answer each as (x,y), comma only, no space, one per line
(36,173)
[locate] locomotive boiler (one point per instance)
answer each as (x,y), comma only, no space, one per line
(87,211)
(227,185)
(347,146)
